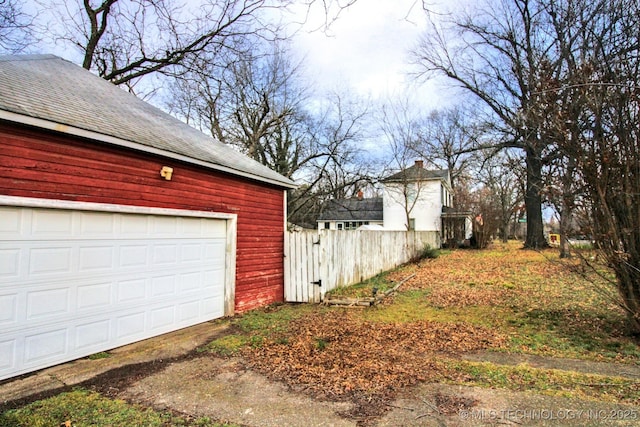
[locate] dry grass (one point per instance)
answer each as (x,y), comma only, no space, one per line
(503,299)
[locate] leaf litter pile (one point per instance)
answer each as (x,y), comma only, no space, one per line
(338,355)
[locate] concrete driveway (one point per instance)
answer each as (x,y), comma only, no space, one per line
(167,372)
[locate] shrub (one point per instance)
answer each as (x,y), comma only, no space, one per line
(429,253)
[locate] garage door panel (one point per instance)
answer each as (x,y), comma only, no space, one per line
(211,307)
(8,309)
(216,229)
(131,290)
(136,226)
(7,355)
(164,254)
(74,283)
(49,345)
(214,249)
(130,325)
(212,276)
(163,286)
(47,303)
(97,225)
(190,282)
(49,261)
(11,224)
(162,317)
(189,311)
(49,223)
(133,255)
(93,296)
(92,334)
(93,258)
(192,252)
(164,225)
(9,264)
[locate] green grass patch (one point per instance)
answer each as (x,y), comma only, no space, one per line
(546,381)
(407,306)
(82,408)
(274,318)
(100,355)
(228,345)
(364,289)
(413,305)
(256,326)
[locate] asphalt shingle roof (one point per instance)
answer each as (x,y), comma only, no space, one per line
(52,89)
(417,173)
(352,210)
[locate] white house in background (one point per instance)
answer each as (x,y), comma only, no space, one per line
(412,199)
(415,198)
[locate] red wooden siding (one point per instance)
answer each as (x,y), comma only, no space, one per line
(47,165)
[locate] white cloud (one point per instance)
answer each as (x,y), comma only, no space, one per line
(366,48)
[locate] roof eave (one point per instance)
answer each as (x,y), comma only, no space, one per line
(83,133)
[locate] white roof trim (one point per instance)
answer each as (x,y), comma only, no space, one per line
(83,133)
(29,202)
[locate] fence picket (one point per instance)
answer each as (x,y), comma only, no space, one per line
(343,258)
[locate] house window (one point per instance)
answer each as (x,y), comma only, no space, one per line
(412,224)
(327,225)
(339,225)
(446,197)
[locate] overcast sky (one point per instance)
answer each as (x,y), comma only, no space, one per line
(367,50)
(364,51)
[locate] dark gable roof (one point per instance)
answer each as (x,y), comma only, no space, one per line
(418,173)
(47,91)
(352,210)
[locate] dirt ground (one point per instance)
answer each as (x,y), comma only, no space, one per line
(224,390)
(168,373)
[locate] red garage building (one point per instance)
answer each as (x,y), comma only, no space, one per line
(119,222)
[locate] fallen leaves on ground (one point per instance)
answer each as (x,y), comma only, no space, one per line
(460,296)
(336,354)
(538,303)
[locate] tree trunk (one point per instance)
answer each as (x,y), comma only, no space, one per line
(504,231)
(533,201)
(565,219)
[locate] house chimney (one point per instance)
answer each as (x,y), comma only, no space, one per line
(419,164)
(360,194)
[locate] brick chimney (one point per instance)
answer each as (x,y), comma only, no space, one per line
(419,164)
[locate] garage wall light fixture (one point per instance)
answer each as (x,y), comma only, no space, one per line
(166,172)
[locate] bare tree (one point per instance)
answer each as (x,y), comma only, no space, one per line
(401,130)
(336,167)
(502,193)
(602,75)
(563,191)
(499,52)
(254,102)
(124,40)
(447,139)
(16,27)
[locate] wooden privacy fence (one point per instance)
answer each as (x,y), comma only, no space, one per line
(317,262)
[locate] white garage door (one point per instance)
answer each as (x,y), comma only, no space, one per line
(73,283)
